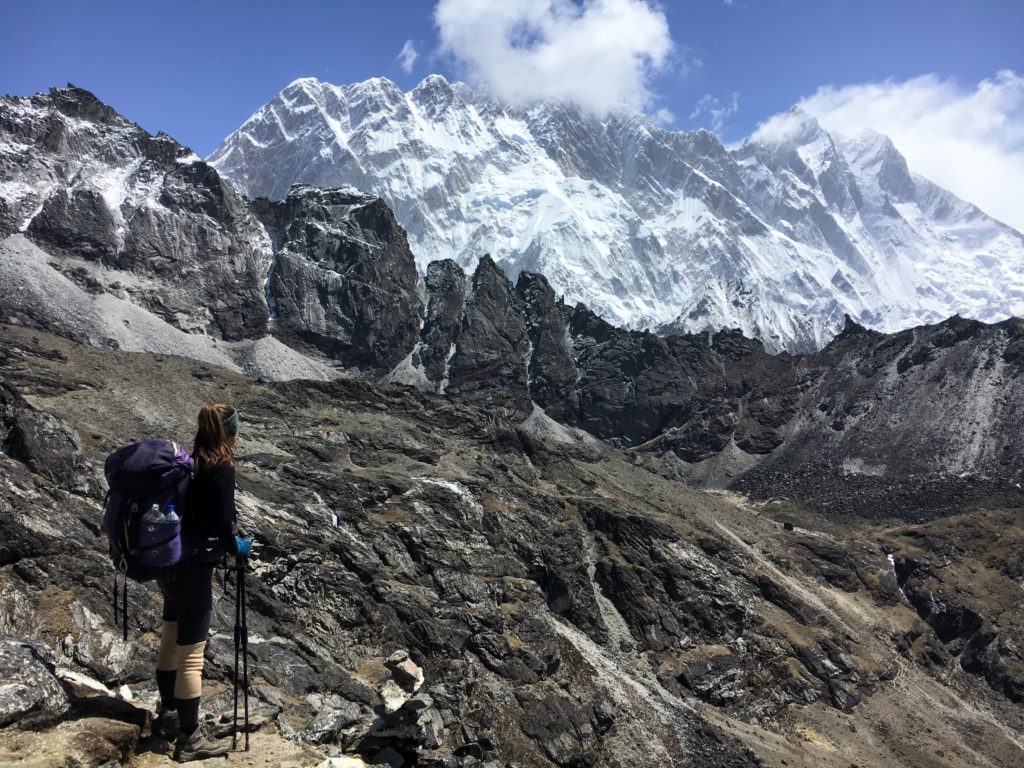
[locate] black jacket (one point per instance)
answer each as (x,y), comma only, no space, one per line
(210,506)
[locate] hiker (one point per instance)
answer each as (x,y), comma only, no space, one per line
(208,526)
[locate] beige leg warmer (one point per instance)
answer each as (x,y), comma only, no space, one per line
(168,659)
(189,682)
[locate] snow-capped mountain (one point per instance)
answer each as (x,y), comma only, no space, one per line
(780,237)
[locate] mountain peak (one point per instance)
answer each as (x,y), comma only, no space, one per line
(377,84)
(648,227)
(431,82)
(303,82)
(793,128)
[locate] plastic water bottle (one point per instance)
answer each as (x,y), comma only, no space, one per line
(171,515)
(153,516)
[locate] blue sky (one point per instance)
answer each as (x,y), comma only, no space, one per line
(196,70)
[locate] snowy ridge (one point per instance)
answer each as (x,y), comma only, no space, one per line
(651,228)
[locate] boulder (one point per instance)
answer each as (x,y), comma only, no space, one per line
(47,445)
(30,693)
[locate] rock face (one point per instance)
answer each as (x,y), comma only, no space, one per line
(343,279)
(492,345)
(918,423)
(111,236)
(30,694)
(45,445)
(446,288)
(132,215)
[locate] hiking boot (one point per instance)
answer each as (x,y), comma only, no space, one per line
(165,726)
(199,745)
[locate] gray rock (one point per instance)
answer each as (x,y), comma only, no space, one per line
(141,206)
(343,280)
(30,694)
(329,723)
(492,350)
(46,444)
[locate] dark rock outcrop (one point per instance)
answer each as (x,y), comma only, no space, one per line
(492,350)
(446,291)
(552,370)
(343,279)
(912,425)
(30,694)
(46,445)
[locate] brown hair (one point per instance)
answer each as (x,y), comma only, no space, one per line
(213,444)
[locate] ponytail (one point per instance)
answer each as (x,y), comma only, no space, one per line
(215,436)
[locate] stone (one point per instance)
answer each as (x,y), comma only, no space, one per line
(405,671)
(393,696)
(82,685)
(46,444)
(329,723)
(30,693)
(341,762)
(389,757)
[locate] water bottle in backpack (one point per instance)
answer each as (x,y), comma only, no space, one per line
(159,540)
(142,540)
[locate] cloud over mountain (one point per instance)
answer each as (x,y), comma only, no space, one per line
(969,140)
(600,55)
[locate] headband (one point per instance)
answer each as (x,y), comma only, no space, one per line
(231,423)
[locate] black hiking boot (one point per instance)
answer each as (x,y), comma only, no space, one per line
(199,745)
(165,726)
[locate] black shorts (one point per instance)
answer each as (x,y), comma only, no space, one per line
(188,600)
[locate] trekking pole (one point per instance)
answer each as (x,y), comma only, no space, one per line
(238,644)
(243,562)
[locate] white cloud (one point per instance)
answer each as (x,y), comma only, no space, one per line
(600,55)
(407,56)
(968,140)
(716,111)
(779,129)
(664,117)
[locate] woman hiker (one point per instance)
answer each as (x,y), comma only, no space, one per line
(208,525)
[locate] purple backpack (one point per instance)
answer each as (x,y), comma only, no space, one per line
(141,475)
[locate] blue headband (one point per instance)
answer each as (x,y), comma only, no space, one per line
(231,423)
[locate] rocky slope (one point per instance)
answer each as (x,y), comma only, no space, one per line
(650,228)
(515,520)
(567,606)
(337,290)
